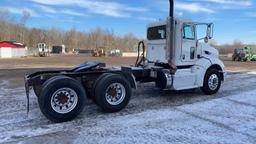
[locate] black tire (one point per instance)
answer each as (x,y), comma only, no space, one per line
(96,83)
(52,86)
(206,87)
(38,88)
(102,88)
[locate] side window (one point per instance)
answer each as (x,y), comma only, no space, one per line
(157,33)
(189,32)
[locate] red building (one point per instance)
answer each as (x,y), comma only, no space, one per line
(9,49)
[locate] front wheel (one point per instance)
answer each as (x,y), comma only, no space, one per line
(212,82)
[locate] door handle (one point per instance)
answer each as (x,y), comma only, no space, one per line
(192,52)
(183,57)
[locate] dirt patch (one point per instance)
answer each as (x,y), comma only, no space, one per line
(238,66)
(60,61)
(69,61)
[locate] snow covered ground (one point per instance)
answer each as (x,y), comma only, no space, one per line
(153,116)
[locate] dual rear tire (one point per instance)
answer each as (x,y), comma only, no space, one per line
(112,92)
(63,98)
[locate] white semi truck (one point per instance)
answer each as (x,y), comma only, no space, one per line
(175,60)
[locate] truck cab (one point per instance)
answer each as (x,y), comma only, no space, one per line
(192,57)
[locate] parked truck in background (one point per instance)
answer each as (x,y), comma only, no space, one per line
(43,50)
(245,54)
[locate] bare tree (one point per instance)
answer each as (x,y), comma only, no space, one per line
(21,27)
(97,38)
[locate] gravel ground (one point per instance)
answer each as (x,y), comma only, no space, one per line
(68,61)
(152,116)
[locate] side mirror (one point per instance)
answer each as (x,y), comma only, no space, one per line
(210,31)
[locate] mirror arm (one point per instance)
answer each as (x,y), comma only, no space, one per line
(205,38)
(200,39)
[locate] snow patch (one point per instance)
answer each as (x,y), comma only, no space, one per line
(192,123)
(234,112)
(213,121)
(252,72)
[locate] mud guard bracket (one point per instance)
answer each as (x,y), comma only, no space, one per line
(27,89)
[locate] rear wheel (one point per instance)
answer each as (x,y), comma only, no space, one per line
(38,88)
(62,99)
(95,85)
(112,93)
(212,82)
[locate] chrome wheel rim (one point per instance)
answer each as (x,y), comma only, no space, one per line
(213,82)
(64,100)
(115,94)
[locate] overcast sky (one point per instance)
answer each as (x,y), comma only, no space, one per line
(234,19)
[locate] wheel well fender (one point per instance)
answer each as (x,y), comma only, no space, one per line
(205,65)
(130,77)
(217,67)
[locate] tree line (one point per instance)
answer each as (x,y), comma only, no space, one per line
(229,48)
(12,29)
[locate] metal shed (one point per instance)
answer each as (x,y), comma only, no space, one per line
(10,49)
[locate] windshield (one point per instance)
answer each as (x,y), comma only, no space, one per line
(157,33)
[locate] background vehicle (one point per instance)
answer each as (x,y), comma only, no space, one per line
(43,50)
(99,53)
(250,55)
(115,53)
(58,49)
(246,54)
(175,60)
(82,51)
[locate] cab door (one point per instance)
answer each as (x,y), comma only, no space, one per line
(188,54)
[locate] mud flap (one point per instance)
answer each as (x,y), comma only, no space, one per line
(27,94)
(224,75)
